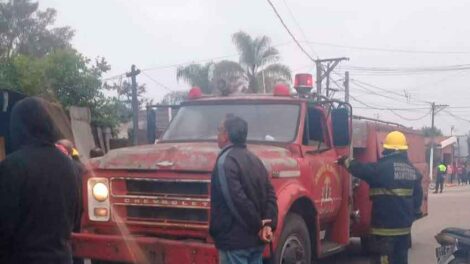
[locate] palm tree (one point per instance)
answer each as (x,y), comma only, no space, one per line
(259,60)
(196,75)
(208,75)
(232,76)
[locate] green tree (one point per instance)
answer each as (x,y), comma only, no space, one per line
(196,75)
(124,93)
(37,58)
(429,131)
(67,77)
(26,30)
(259,60)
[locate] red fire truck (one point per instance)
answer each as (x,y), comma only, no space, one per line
(151,204)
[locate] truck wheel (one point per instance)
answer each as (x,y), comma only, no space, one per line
(294,244)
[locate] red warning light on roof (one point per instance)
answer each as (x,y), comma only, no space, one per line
(303,80)
(281,90)
(194,93)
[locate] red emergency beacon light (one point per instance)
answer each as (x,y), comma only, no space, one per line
(281,90)
(303,83)
(195,93)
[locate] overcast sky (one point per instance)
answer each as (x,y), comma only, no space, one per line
(157,33)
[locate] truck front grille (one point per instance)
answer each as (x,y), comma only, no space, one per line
(162,202)
(157,188)
(162,214)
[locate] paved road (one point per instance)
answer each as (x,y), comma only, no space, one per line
(450,208)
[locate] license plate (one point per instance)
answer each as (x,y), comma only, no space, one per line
(443,253)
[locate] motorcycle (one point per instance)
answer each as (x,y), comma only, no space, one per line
(454,246)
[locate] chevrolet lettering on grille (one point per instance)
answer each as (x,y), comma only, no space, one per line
(165,202)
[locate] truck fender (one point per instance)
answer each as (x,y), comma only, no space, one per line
(286,196)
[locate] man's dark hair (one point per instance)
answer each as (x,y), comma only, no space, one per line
(237,129)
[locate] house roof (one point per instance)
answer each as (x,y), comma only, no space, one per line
(442,141)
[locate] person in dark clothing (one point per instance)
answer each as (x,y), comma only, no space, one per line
(72,152)
(467,177)
(396,194)
(38,191)
(441,174)
(243,201)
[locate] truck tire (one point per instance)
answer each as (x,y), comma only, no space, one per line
(294,245)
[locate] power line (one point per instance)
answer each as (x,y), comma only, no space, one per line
(371,92)
(390,109)
(368,106)
(436,52)
(396,109)
(290,33)
(119,76)
(366,70)
(456,117)
(299,27)
(356,81)
(157,82)
(175,65)
(410,119)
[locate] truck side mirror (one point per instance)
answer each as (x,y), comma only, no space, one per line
(341,127)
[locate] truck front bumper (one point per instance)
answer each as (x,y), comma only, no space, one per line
(142,249)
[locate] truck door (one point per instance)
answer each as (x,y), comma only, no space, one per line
(317,148)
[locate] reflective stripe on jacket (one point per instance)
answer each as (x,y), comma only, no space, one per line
(395,191)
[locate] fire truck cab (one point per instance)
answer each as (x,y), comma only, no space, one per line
(151,204)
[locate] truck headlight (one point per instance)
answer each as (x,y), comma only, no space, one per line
(98,199)
(100,192)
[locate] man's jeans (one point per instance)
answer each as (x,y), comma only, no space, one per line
(242,256)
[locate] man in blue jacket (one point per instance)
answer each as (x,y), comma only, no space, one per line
(243,201)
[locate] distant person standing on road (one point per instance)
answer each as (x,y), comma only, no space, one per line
(441,176)
(396,194)
(467,176)
(38,191)
(243,201)
(460,174)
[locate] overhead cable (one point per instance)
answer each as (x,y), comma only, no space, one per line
(290,32)
(157,82)
(299,27)
(436,52)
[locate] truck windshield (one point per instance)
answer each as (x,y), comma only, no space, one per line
(266,122)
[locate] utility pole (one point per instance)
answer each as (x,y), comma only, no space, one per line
(135,104)
(323,73)
(346,87)
(434,110)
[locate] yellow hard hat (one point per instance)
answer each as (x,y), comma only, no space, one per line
(395,140)
(75,152)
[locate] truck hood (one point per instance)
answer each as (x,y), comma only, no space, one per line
(197,157)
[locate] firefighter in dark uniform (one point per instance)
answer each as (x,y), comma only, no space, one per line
(396,194)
